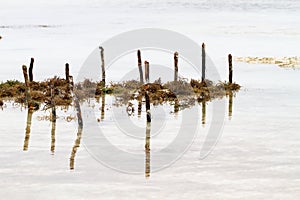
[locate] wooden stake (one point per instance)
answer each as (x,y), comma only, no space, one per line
(176,66)
(27,87)
(147,71)
(203,62)
(230,68)
(102,65)
(67,71)
(140,66)
(30,69)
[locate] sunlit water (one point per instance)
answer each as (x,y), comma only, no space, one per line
(256,156)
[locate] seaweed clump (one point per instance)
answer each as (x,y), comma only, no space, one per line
(40,92)
(59,90)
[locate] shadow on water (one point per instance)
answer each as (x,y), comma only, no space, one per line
(28,129)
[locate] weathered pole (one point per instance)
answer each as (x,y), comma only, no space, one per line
(140,66)
(30,69)
(203,62)
(176,66)
(27,87)
(230,68)
(67,71)
(102,65)
(147,71)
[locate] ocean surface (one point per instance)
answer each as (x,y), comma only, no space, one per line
(257,152)
(57,32)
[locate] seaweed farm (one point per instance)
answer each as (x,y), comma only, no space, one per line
(171,100)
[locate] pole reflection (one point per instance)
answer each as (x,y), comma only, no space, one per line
(203,112)
(230,105)
(79,134)
(147,150)
(27,130)
(102,106)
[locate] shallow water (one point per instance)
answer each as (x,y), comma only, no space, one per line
(257,154)
(255,157)
(74,29)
